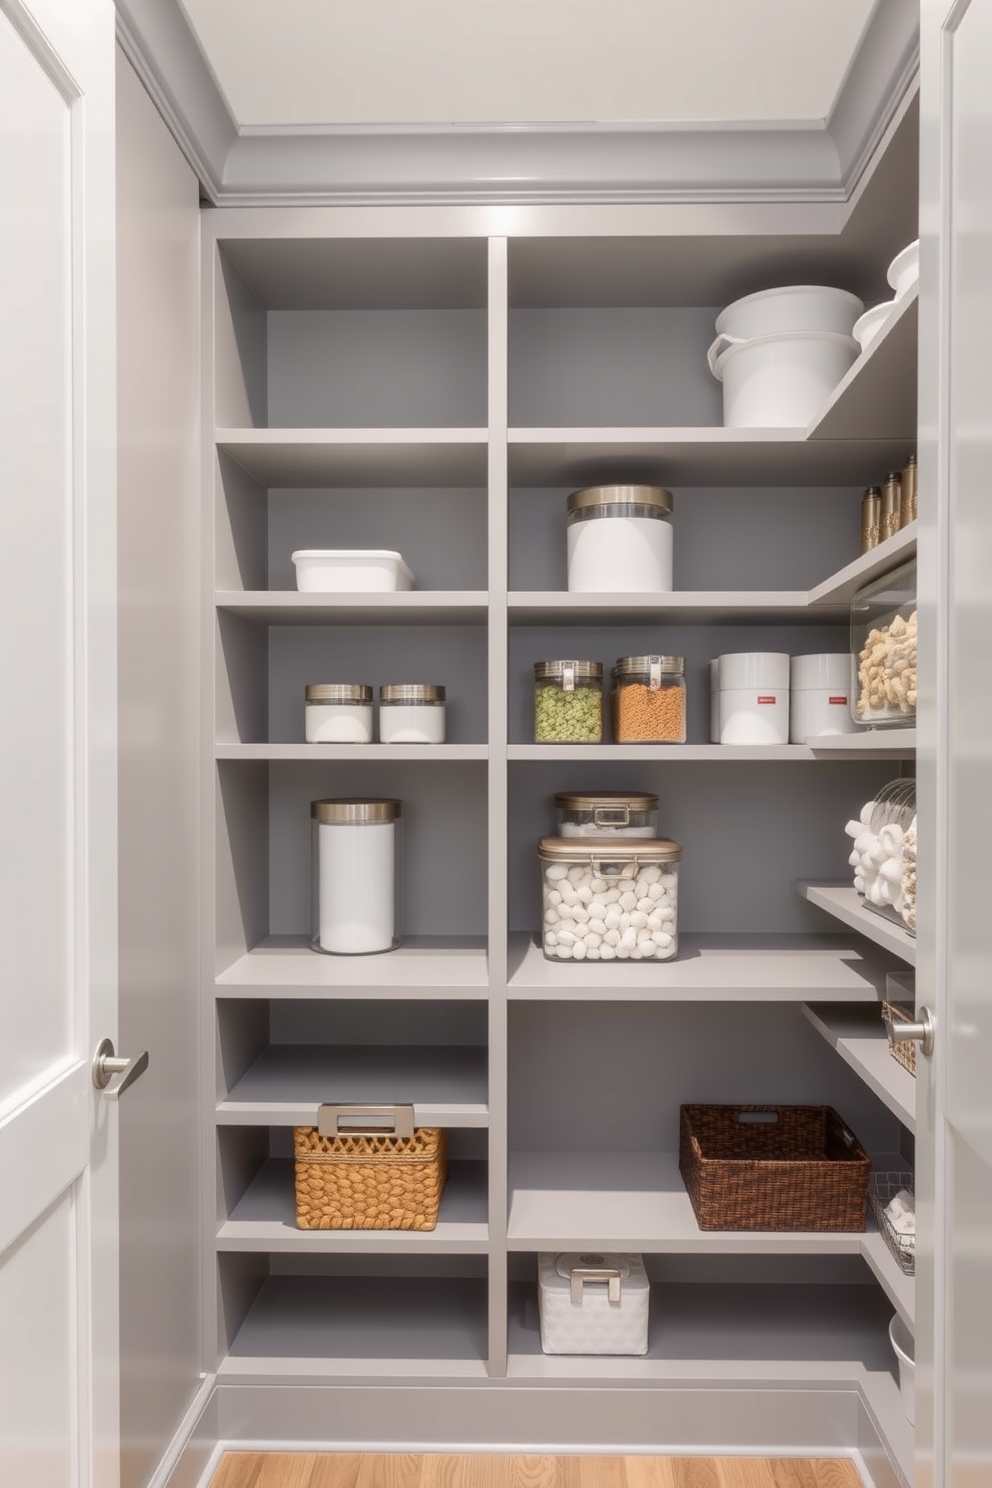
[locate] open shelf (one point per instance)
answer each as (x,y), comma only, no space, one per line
(877,396)
(388,753)
(353,1326)
(840,588)
(630,1201)
(699,456)
(434,967)
(894,744)
(708,968)
(359,457)
(897,1286)
(412,607)
(858,1035)
(883,748)
(700,607)
(265,1219)
(758,1333)
(846,904)
(288,1082)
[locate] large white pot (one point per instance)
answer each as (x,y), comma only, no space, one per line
(793,307)
(781,382)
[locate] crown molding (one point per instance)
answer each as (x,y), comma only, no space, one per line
(805,161)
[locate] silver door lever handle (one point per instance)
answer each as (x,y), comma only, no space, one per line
(920,1032)
(106,1064)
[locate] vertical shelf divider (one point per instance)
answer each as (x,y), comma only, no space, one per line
(498,537)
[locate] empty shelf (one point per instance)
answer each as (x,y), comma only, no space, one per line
(350,1326)
(288,1082)
(359,457)
(858,1034)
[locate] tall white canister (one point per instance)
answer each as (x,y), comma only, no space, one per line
(821,696)
(354,875)
(753,698)
(620,540)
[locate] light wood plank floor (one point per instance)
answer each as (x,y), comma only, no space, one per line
(452,1470)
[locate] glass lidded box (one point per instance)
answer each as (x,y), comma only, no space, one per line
(884,646)
(609,898)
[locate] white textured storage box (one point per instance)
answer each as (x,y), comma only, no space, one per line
(593,1303)
(350,571)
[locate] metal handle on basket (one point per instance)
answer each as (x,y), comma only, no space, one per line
(579,1279)
(377,1121)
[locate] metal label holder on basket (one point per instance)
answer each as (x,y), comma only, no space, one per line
(365,1120)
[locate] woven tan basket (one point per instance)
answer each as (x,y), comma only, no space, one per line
(772,1168)
(900,1012)
(369,1182)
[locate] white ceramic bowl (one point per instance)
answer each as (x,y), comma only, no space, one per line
(350,571)
(904,270)
(791,307)
(868,327)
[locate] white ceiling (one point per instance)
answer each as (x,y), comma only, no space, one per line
(394,62)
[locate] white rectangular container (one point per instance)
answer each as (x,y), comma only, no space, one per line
(350,571)
(592,1303)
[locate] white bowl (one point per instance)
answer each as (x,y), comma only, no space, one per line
(905,1352)
(868,327)
(904,270)
(790,307)
(350,571)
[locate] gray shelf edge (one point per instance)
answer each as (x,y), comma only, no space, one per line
(891,1095)
(897,1286)
(848,909)
(880,1394)
(840,587)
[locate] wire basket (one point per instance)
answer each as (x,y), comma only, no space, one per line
(882,1189)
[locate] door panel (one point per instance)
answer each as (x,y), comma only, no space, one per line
(36,1404)
(954,1146)
(59,1305)
(35,537)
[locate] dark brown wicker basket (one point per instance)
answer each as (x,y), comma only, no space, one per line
(773,1168)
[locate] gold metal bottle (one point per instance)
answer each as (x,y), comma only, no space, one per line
(871,516)
(908,510)
(891,504)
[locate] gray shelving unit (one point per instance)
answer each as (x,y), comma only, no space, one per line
(438,390)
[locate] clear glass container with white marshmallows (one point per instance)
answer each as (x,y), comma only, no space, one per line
(605,899)
(607,813)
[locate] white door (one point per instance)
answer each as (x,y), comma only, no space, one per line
(59,1385)
(954,1156)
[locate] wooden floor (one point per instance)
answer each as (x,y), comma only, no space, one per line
(386,1470)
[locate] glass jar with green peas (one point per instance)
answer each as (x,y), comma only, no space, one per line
(568,702)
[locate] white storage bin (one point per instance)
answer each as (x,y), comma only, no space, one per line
(714,701)
(774,382)
(790,307)
(820,696)
(350,571)
(593,1303)
(753,697)
(905,1351)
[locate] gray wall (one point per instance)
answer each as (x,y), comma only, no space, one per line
(158,485)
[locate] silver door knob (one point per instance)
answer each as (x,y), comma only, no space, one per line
(106,1064)
(921,1032)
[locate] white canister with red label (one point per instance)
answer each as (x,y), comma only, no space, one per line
(753,698)
(821,695)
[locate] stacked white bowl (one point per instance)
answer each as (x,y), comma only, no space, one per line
(781,352)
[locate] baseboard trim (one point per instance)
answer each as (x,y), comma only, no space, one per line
(718,1422)
(181,1465)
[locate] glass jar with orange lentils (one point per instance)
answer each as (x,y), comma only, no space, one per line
(649,700)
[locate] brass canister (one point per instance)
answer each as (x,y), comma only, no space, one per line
(891,504)
(908,510)
(871,518)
